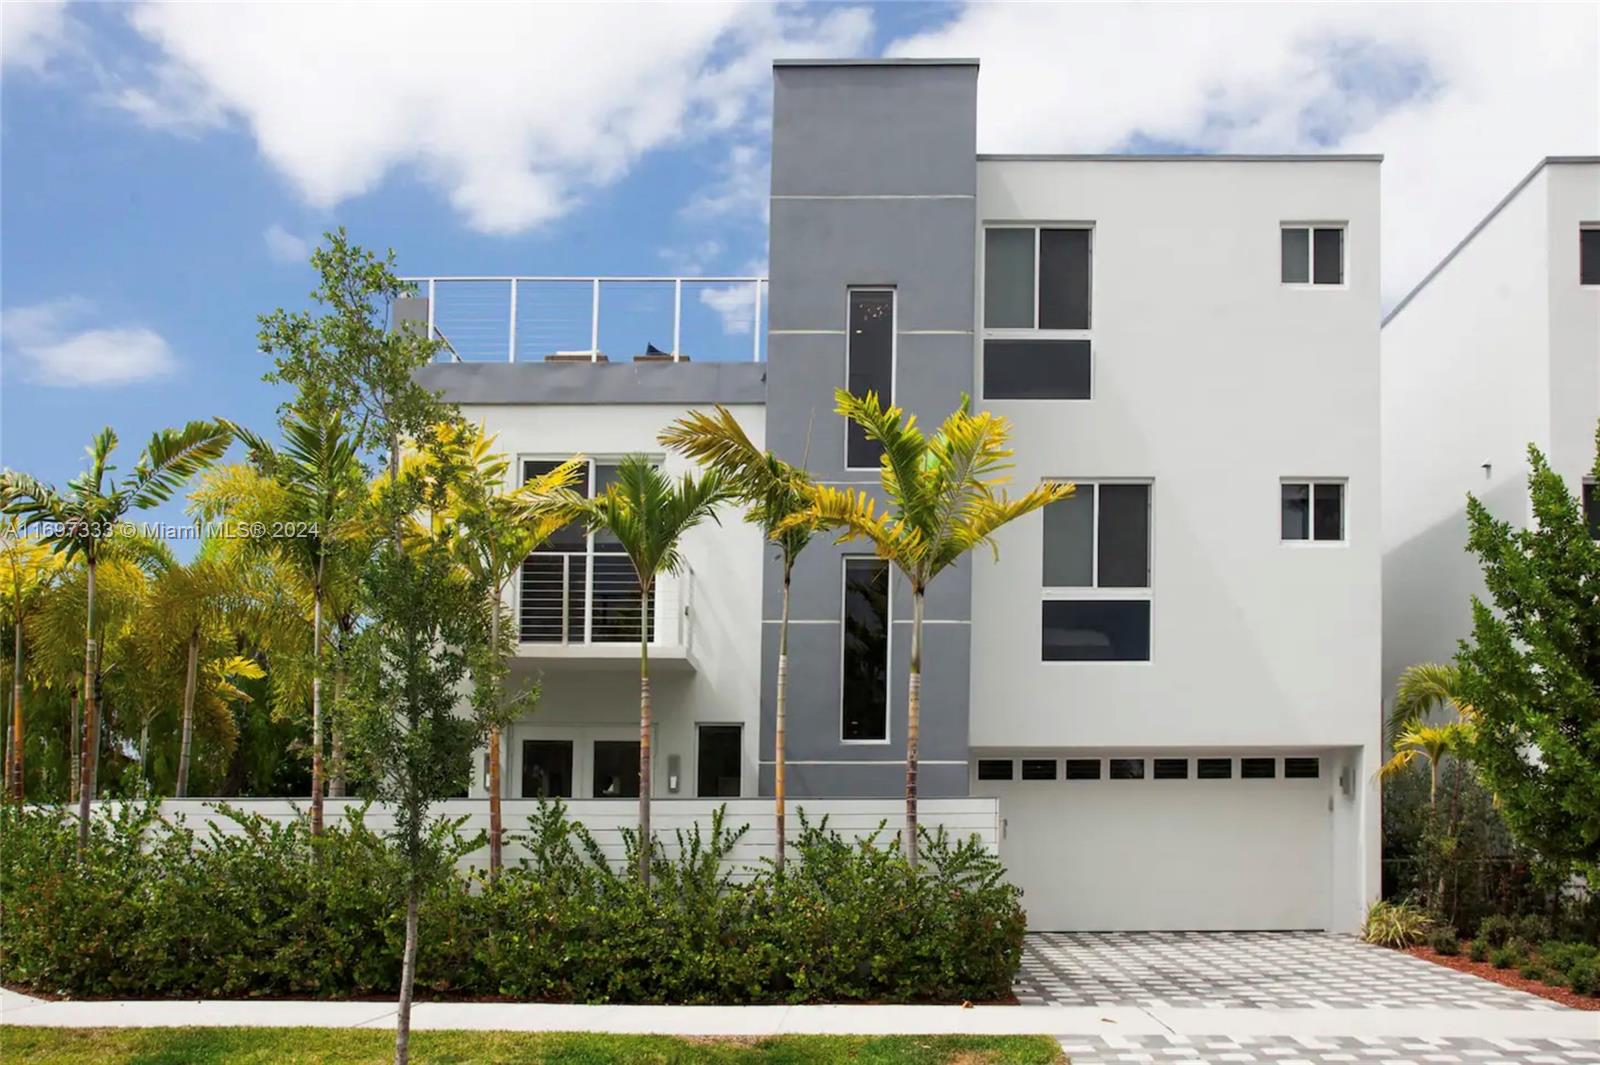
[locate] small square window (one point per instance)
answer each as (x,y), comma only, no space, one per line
(1038,769)
(1214,768)
(1172,769)
(1311,510)
(995,769)
(1302,768)
(1258,768)
(616,769)
(1589,255)
(1127,769)
(1312,255)
(1083,769)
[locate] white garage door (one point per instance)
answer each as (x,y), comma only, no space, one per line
(1130,844)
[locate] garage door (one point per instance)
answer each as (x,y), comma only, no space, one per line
(1169,843)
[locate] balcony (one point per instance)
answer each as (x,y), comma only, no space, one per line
(590,319)
(581,609)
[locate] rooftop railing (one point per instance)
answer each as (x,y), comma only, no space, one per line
(590,319)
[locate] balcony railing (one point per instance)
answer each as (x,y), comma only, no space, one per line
(571,598)
(590,319)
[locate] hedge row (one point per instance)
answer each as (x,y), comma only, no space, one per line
(158,910)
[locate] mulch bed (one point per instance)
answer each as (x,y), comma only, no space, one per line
(1507,977)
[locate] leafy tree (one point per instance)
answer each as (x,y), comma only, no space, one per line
(84,518)
(29,573)
(945,498)
(648,513)
(427,634)
(1531,670)
(777,497)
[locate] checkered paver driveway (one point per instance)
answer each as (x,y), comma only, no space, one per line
(1245,970)
(1324,1050)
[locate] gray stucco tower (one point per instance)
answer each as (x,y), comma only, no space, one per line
(874,175)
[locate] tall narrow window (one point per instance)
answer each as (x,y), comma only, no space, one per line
(1312,510)
(866,649)
(870,366)
(1589,254)
(1591,507)
(1312,254)
(1097,574)
(717,761)
(1037,280)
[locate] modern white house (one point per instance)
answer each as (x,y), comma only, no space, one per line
(1167,685)
(1497,348)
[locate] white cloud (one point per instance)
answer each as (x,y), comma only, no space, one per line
(284,246)
(45,340)
(512,111)
(740,190)
(1461,102)
(31,33)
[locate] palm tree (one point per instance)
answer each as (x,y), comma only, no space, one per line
(319,474)
(1424,688)
(1431,742)
(30,572)
(945,498)
(648,513)
(492,541)
(777,497)
(86,517)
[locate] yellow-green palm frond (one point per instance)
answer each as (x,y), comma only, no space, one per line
(905,452)
(1424,688)
(856,515)
(1398,763)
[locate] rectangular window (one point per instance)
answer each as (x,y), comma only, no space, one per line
(1037,279)
(547,769)
(1172,769)
(995,769)
(616,769)
(1589,255)
(1312,510)
(1127,769)
(866,650)
(1591,507)
(1213,768)
(1097,540)
(869,365)
(1083,769)
(1038,769)
(1258,768)
(718,762)
(1312,254)
(1302,768)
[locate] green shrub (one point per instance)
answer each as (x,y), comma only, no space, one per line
(158,910)
(1532,927)
(1478,949)
(1395,924)
(1504,957)
(1532,970)
(1445,940)
(1497,930)
(1584,978)
(1563,958)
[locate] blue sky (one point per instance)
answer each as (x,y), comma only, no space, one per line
(162,167)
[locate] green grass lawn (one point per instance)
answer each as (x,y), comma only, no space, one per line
(338,1046)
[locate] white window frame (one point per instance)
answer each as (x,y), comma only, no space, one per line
(894,358)
(1311,512)
(1033,332)
(1093,591)
(1311,254)
(888,685)
(1585,227)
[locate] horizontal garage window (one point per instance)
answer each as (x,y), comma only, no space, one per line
(1038,769)
(1127,769)
(1214,768)
(1302,768)
(1258,768)
(1083,769)
(994,769)
(1172,768)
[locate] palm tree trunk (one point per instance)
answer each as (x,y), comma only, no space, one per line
(408,978)
(1433,785)
(190,677)
(15,752)
(337,784)
(74,746)
(316,705)
(496,827)
(90,722)
(644,734)
(144,758)
(780,716)
(913,725)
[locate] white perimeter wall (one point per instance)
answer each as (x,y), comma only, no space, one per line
(601,700)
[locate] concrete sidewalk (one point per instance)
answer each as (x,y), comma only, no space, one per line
(819,1020)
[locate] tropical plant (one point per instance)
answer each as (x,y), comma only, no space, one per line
(1430,742)
(320,477)
(1531,670)
(30,571)
(82,520)
(945,498)
(648,513)
(777,497)
(1396,924)
(1422,690)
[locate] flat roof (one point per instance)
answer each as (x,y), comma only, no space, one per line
(1198,157)
(1479,228)
(902,61)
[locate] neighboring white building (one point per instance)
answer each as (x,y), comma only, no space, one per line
(1497,348)
(1170,683)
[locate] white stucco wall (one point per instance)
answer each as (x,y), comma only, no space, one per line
(600,700)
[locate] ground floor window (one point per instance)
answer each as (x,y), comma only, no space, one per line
(718,761)
(547,769)
(616,769)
